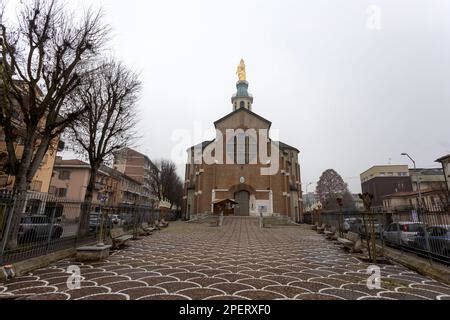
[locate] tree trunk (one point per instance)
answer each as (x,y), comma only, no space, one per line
(91,185)
(20,197)
(86,208)
(20,190)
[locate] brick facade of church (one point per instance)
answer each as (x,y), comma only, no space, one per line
(235,173)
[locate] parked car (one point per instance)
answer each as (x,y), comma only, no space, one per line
(38,227)
(128,218)
(401,233)
(438,240)
(95,219)
(356,225)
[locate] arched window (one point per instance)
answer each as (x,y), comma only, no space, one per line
(241,148)
(252,149)
(231,154)
(242,104)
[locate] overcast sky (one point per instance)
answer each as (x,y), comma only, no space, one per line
(348,96)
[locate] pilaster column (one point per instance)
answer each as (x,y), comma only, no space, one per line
(271,202)
(213,198)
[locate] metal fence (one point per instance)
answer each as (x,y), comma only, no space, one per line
(424,231)
(37,224)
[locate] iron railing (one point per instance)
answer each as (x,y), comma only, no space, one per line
(37,224)
(423,231)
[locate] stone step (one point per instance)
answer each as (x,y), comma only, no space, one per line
(277,221)
(206,219)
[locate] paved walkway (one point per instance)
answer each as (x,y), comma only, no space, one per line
(238,261)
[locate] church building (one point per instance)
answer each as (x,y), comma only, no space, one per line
(243,172)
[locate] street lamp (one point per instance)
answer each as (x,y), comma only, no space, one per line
(306,191)
(340,222)
(103,200)
(308,186)
(418,179)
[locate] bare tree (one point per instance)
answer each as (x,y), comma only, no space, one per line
(165,182)
(330,187)
(44,59)
(109,97)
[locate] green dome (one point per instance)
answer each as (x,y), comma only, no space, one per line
(242,91)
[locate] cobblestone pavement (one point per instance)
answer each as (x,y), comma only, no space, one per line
(237,261)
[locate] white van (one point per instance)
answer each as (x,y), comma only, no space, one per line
(402,232)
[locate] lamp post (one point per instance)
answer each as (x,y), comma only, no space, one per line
(306,192)
(103,200)
(307,187)
(319,208)
(417,182)
(340,222)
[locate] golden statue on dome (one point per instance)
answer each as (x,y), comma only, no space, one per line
(242,74)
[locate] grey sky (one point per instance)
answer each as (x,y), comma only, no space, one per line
(348,97)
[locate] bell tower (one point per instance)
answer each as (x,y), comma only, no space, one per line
(242,99)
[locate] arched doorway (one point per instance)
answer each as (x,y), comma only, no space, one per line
(242,209)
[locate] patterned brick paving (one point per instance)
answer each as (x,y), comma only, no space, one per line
(237,261)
